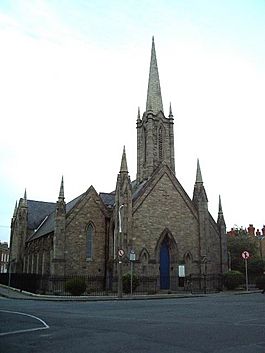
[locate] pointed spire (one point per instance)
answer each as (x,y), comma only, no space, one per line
(15,210)
(124,167)
(198,173)
(61,193)
(170,111)
(154,98)
(220,206)
(220,218)
(24,200)
(138,114)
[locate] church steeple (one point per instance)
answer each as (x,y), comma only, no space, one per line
(124,167)
(198,173)
(170,111)
(25,200)
(220,219)
(199,193)
(154,97)
(58,261)
(138,115)
(155,133)
(223,237)
(15,210)
(220,206)
(61,193)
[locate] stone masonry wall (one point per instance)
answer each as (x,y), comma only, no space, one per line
(164,207)
(89,210)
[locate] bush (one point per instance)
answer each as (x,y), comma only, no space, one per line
(260,282)
(233,279)
(76,286)
(126,282)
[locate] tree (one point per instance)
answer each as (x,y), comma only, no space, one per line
(236,245)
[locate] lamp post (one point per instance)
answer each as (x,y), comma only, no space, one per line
(119,255)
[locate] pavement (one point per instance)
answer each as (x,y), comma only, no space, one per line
(13,293)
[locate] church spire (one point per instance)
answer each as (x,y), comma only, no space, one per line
(170,111)
(124,167)
(61,193)
(220,218)
(220,206)
(138,115)
(198,173)
(199,193)
(154,98)
(15,210)
(24,200)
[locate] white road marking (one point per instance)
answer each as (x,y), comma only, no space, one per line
(44,327)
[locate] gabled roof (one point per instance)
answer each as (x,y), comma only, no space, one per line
(42,214)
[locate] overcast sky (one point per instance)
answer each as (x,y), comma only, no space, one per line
(73,73)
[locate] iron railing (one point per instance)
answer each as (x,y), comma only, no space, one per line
(104,285)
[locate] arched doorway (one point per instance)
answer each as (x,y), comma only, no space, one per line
(164,265)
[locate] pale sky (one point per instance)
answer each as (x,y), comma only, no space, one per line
(73,73)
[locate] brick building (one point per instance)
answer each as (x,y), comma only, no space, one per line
(4,257)
(152,216)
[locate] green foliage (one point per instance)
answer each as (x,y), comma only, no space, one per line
(256,266)
(126,282)
(260,282)
(76,286)
(236,245)
(233,279)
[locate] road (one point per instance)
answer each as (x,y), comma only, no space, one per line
(214,324)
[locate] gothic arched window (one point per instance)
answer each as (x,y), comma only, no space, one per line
(89,241)
(160,143)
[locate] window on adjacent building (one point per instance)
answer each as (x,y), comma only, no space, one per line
(89,242)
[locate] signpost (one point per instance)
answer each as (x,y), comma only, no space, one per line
(245,255)
(120,254)
(132,258)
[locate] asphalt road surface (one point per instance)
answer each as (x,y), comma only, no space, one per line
(214,324)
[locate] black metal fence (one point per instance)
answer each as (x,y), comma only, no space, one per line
(102,285)
(204,283)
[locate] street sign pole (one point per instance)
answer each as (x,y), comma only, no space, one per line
(246,270)
(132,259)
(245,255)
(131,277)
(120,255)
(119,277)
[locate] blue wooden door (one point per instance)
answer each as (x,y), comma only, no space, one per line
(164,266)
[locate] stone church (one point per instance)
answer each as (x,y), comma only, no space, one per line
(152,217)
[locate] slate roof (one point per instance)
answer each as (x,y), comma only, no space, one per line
(46,225)
(42,214)
(37,211)
(108,198)
(137,189)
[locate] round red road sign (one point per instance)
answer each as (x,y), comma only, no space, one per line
(245,254)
